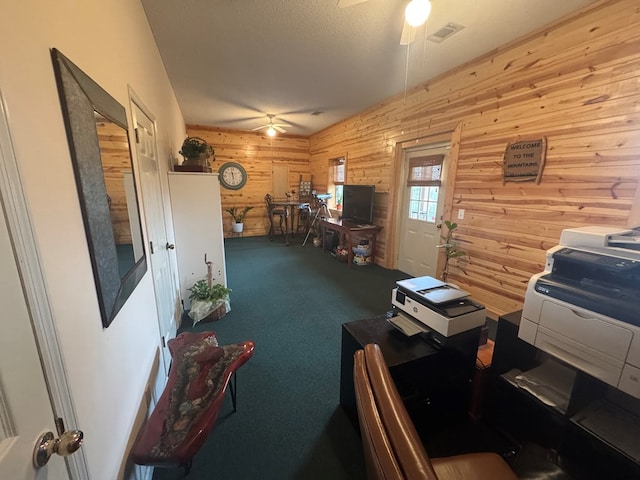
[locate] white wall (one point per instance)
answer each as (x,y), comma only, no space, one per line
(112,42)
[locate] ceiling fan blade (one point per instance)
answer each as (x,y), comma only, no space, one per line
(349,3)
(286,125)
(258,128)
(408,34)
(279,129)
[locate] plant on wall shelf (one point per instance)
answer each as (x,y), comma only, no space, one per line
(449,247)
(196,151)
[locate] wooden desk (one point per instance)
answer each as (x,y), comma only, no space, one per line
(349,229)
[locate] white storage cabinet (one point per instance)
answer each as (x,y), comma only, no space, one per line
(197,223)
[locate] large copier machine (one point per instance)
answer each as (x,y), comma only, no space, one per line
(585,307)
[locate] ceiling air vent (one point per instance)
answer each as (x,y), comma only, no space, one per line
(445,32)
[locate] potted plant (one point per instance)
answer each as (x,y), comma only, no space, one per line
(238,215)
(196,152)
(209,301)
(450,249)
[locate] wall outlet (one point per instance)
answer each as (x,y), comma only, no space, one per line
(461,214)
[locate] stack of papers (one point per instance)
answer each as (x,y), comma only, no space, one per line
(433,290)
(407,325)
(551,383)
(613,424)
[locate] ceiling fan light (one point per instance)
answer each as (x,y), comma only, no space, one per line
(417,12)
(271,132)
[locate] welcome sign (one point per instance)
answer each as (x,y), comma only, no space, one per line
(524,161)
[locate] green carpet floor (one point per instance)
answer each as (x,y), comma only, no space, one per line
(291,301)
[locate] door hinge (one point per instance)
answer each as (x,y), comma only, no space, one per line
(151,246)
(137,135)
(164,343)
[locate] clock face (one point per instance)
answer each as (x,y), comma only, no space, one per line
(232,175)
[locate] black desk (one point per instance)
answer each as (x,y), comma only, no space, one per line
(434,381)
(581,452)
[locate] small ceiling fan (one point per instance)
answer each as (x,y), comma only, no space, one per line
(416,13)
(272,128)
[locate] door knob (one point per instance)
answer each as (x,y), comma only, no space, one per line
(170,246)
(47,445)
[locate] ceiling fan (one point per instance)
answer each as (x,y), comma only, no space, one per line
(272,128)
(416,13)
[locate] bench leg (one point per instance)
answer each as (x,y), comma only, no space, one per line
(187,467)
(233,390)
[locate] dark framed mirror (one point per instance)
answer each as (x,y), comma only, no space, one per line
(98,138)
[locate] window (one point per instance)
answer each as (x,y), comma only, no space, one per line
(337,175)
(424,181)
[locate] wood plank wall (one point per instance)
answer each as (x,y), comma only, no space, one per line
(257,153)
(114,152)
(577,83)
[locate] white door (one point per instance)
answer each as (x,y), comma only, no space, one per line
(26,410)
(421,217)
(166,291)
(280,181)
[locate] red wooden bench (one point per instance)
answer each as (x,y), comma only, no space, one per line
(188,407)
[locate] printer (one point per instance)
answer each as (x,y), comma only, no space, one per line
(584,308)
(439,306)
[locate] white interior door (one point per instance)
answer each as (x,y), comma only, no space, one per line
(421,218)
(33,387)
(166,291)
(25,408)
(279,181)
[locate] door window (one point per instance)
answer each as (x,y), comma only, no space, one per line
(423,180)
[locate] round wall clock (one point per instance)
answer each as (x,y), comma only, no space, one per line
(232,175)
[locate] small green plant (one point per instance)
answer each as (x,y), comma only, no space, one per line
(201,290)
(449,247)
(238,214)
(194,147)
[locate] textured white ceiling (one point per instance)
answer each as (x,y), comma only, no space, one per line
(231,62)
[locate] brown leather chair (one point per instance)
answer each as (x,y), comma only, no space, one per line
(392,448)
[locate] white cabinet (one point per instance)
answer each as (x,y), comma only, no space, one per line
(197,225)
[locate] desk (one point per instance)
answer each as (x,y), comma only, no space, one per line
(289,207)
(480,379)
(434,381)
(351,229)
(587,451)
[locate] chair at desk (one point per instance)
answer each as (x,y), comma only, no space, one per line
(392,447)
(272,212)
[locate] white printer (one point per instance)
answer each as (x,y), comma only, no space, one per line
(437,305)
(585,307)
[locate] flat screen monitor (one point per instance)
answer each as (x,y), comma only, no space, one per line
(357,203)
